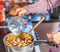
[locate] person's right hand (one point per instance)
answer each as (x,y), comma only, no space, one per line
(20,12)
(17,11)
(54,37)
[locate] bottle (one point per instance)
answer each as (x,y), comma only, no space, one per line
(15,25)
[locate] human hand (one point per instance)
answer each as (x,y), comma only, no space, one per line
(20,12)
(17,11)
(54,37)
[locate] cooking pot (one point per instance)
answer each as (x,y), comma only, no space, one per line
(28,48)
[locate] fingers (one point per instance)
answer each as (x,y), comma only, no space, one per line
(20,12)
(50,36)
(54,37)
(13,10)
(57,37)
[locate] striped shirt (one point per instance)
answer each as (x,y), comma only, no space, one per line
(42,6)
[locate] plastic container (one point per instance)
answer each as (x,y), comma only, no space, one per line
(15,24)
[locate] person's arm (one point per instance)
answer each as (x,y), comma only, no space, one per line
(42,6)
(55,3)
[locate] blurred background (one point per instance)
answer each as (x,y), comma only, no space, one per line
(50,24)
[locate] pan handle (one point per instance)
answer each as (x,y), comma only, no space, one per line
(37,42)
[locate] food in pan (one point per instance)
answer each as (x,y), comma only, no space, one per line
(18,41)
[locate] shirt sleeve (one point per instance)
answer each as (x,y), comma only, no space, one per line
(41,6)
(54,3)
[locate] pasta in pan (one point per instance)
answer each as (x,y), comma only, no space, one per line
(21,40)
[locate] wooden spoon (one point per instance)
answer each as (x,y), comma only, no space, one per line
(37,24)
(28,33)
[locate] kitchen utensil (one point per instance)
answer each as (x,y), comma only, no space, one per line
(37,24)
(43,17)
